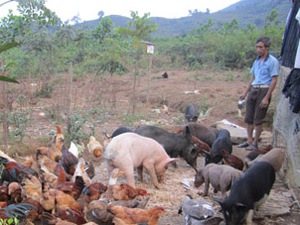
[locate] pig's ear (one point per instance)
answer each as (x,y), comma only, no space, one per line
(187,131)
(170,160)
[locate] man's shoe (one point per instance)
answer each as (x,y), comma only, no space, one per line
(252,148)
(243,145)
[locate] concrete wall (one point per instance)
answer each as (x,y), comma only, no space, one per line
(286,133)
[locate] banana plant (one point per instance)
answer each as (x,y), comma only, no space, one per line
(3,48)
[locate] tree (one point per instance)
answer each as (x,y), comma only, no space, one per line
(103,30)
(3,68)
(13,31)
(139,29)
(272,19)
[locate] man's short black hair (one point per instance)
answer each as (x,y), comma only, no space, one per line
(265,40)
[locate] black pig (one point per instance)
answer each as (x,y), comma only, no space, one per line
(222,142)
(247,193)
(175,144)
(203,133)
(120,130)
(191,113)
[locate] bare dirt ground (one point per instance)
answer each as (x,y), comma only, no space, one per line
(162,102)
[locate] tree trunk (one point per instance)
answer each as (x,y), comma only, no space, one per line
(5,122)
(69,98)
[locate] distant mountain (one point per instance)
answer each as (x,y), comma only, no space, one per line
(245,11)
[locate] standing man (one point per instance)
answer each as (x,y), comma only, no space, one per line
(265,70)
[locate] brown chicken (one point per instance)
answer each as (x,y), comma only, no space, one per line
(232,160)
(121,191)
(136,215)
(202,147)
(126,192)
(71,215)
(94,147)
(52,171)
(264,149)
(72,188)
(47,198)
(93,192)
(15,192)
(55,147)
(32,188)
(64,201)
(97,209)
(68,161)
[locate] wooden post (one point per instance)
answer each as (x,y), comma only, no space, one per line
(149,76)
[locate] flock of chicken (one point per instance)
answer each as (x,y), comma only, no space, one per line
(54,186)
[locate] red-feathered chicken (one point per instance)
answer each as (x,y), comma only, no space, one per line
(68,161)
(72,188)
(232,160)
(93,192)
(71,215)
(136,215)
(14,171)
(202,147)
(121,191)
(64,201)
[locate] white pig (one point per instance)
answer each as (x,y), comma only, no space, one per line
(128,151)
(221,177)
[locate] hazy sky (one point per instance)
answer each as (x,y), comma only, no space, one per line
(88,9)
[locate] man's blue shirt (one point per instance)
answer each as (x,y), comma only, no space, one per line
(264,71)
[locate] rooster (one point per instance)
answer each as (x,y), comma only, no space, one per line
(232,160)
(14,171)
(94,147)
(136,215)
(68,161)
(55,147)
(18,211)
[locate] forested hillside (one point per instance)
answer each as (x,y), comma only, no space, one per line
(245,12)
